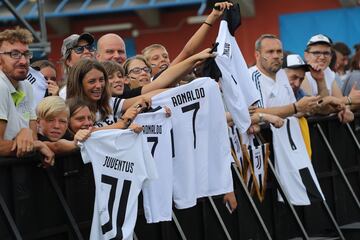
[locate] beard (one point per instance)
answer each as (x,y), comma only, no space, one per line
(275,67)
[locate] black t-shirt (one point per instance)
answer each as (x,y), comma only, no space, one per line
(67,136)
(130,93)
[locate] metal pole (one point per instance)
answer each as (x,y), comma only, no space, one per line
(9,218)
(183,237)
(59,194)
(286,198)
(43,30)
(336,161)
(353,136)
(21,19)
(252,203)
(332,218)
(219,218)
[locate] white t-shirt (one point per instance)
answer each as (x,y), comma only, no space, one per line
(122,164)
(17,117)
(202,158)
(272,93)
(239,92)
(158,193)
(329,80)
(293,164)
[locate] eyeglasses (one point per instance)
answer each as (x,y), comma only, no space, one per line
(15,54)
(138,70)
(318,53)
(81,49)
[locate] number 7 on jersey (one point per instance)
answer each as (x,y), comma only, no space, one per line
(195,106)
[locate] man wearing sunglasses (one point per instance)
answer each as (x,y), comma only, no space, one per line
(17,115)
(74,48)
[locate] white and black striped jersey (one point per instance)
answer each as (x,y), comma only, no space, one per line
(293,164)
(122,164)
(202,154)
(239,92)
(116,106)
(158,193)
(273,93)
(39,85)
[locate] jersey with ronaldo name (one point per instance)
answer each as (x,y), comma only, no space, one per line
(202,157)
(122,164)
(158,193)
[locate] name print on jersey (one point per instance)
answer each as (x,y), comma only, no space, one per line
(120,165)
(188,96)
(152,129)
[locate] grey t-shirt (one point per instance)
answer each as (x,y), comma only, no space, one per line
(353,78)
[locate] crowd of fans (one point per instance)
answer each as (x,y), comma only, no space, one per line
(105,89)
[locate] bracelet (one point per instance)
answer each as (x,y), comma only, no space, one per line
(349,102)
(126,121)
(209,24)
(295,108)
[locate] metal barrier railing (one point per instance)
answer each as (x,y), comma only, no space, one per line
(67,184)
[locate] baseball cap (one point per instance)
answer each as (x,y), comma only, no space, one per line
(320,38)
(73,41)
(294,61)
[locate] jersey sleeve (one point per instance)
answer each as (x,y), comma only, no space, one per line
(149,161)
(117,104)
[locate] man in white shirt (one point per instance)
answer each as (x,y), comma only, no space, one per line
(17,115)
(277,97)
(292,162)
(318,56)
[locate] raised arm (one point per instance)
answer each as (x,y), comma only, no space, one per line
(200,35)
(175,72)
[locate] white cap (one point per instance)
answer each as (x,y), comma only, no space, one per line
(320,38)
(295,61)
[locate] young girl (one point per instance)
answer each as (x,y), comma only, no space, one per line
(88,82)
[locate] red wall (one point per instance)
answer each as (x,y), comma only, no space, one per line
(174,31)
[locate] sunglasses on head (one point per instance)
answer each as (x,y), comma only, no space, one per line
(81,49)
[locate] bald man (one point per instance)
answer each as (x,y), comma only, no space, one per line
(111,47)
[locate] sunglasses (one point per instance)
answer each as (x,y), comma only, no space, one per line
(81,49)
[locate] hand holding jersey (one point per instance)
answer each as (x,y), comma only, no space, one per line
(201,147)
(121,167)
